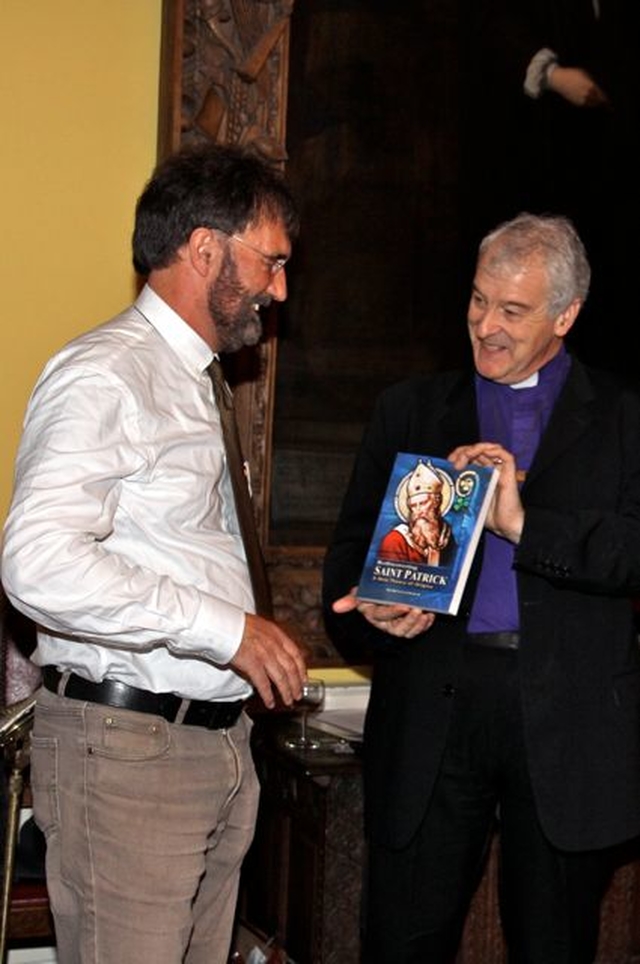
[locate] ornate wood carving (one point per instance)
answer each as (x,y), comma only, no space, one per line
(296,579)
(224,77)
(225,73)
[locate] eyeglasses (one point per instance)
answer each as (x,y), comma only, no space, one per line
(273,263)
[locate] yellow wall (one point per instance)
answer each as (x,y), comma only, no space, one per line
(78,109)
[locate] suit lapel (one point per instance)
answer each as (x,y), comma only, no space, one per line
(459,421)
(570,419)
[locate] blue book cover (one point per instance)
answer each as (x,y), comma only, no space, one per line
(427,533)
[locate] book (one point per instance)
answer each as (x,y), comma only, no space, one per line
(426,533)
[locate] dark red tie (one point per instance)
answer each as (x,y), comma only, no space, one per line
(244,507)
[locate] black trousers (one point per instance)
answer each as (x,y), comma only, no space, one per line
(416,899)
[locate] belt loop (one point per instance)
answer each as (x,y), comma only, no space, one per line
(182,710)
(62,682)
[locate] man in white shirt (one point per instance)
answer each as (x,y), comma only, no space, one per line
(123,544)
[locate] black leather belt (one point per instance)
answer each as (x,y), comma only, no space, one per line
(110,692)
(506,640)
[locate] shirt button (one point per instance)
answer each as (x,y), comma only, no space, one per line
(448,690)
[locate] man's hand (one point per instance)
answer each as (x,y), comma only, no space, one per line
(506,513)
(576,86)
(268,657)
(397,620)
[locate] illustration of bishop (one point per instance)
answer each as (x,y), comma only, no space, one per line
(422,499)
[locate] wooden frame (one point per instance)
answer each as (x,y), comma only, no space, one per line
(224,77)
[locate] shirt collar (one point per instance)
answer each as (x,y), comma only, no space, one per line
(529,382)
(185,342)
(553,372)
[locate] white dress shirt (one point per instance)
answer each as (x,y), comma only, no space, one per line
(122,540)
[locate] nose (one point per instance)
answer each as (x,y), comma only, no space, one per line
(278,286)
(484,321)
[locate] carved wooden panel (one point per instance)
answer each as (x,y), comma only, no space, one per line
(224,77)
(296,576)
(224,73)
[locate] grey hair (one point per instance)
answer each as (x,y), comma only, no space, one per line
(552,237)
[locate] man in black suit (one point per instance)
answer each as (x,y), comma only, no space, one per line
(527,704)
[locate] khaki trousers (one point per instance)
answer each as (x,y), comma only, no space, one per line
(147,823)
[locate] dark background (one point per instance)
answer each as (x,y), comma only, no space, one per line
(408,138)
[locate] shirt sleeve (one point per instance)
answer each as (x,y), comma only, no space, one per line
(536,79)
(81,440)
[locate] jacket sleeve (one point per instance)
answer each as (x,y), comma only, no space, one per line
(582,511)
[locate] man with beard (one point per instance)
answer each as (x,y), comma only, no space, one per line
(425,537)
(123,544)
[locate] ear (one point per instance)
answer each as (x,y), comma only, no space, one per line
(204,250)
(564,321)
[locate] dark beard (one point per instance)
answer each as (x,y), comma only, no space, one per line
(231,309)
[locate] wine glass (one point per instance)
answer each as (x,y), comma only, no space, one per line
(312,697)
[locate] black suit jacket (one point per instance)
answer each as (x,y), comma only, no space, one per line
(578,563)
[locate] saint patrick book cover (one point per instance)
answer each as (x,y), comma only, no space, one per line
(427,532)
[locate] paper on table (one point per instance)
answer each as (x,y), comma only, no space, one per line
(343,709)
(345,724)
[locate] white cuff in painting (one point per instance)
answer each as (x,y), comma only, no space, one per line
(535,82)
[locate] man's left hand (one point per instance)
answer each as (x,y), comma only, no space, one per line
(506,513)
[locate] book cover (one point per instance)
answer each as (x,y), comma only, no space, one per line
(426,533)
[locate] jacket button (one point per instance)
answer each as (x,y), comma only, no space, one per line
(448,690)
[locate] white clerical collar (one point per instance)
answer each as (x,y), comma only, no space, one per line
(529,382)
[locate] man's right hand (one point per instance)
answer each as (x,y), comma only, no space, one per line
(267,657)
(396,619)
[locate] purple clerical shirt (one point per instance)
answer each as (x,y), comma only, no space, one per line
(515,416)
